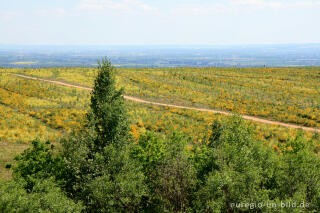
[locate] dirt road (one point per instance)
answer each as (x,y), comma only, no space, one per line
(247,117)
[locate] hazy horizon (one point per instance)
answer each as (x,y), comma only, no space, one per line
(158,45)
(162,56)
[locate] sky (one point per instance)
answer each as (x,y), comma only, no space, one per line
(159,22)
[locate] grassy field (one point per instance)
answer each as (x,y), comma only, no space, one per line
(7,152)
(30,109)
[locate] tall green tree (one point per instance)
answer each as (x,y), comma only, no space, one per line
(102,174)
(107,111)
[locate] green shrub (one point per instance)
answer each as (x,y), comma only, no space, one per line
(240,169)
(122,186)
(39,162)
(169,171)
(45,197)
(298,178)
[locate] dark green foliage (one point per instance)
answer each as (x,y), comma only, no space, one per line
(239,169)
(150,151)
(107,114)
(203,160)
(39,162)
(109,182)
(298,178)
(177,178)
(217,129)
(45,197)
(246,171)
(171,177)
(121,188)
(78,160)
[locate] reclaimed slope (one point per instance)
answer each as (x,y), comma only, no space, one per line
(247,117)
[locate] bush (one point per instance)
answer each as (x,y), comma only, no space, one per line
(240,168)
(245,171)
(122,186)
(39,162)
(169,171)
(298,178)
(45,196)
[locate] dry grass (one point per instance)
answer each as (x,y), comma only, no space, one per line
(7,153)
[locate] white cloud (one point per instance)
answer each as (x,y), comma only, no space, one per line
(122,6)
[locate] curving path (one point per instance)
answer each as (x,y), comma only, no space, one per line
(247,117)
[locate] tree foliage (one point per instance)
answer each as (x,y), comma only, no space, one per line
(107,111)
(45,197)
(101,172)
(39,162)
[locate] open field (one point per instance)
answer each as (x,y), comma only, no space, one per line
(139,100)
(32,109)
(283,94)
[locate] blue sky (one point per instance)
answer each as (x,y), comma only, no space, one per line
(159,22)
